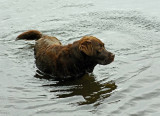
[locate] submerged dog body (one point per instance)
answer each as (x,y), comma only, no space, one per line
(72,60)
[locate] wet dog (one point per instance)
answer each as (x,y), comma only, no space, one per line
(67,61)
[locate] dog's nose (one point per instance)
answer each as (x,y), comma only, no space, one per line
(112,55)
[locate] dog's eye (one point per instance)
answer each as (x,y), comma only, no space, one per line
(101,46)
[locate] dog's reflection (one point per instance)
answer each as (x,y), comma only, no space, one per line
(91,90)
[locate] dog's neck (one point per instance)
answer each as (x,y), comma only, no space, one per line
(76,63)
(86,62)
(75,51)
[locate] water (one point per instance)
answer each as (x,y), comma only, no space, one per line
(127,87)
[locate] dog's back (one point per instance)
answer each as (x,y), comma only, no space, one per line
(46,42)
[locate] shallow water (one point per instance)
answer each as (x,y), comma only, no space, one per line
(127,87)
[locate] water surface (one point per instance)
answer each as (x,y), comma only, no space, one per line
(127,87)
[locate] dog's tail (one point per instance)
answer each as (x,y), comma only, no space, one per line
(30,35)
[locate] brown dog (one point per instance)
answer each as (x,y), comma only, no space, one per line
(72,60)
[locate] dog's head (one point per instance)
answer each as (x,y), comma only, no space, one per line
(95,49)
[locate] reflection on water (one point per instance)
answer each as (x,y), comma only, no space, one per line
(92,90)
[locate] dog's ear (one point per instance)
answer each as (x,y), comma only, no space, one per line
(86,47)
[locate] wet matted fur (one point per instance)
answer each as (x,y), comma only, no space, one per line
(66,61)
